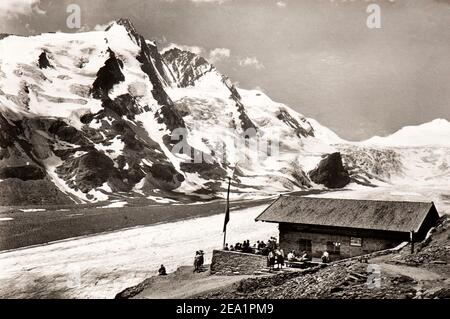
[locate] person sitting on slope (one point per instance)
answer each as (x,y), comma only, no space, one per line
(162,271)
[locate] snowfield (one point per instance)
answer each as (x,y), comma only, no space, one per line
(101,266)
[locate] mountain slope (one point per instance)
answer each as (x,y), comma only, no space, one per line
(105,115)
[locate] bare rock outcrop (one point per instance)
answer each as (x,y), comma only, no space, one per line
(331,172)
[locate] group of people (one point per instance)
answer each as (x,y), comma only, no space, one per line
(244,247)
(293,257)
(275,257)
(259,248)
(199,260)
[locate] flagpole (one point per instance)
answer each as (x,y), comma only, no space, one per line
(224,238)
(227,212)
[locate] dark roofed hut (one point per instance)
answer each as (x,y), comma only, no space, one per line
(347,227)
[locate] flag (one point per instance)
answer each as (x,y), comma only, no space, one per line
(227,208)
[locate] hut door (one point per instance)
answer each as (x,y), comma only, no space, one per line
(304,245)
(334,248)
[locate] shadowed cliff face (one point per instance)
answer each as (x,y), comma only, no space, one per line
(25,173)
(43,61)
(186,67)
(284,116)
(108,75)
(330,172)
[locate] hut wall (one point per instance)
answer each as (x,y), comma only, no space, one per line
(430,221)
(320,239)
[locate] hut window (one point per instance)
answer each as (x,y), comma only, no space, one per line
(356,241)
(334,248)
(304,245)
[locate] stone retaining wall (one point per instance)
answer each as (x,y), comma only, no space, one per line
(236,263)
(252,284)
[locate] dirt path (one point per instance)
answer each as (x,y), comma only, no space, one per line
(418,274)
(185,284)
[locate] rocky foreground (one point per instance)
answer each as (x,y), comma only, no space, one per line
(397,275)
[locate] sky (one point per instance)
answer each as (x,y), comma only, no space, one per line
(317,56)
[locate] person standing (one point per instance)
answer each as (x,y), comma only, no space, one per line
(282,256)
(202,259)
(279,255)
(197,261)
(271,260)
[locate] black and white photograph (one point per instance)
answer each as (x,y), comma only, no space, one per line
(239,150)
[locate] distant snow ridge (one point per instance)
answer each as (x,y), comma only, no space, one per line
(414,155)
(436,133)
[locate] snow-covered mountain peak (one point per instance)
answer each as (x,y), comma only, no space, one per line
(53,72)
(99,113)
(186,67)
(126,22)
